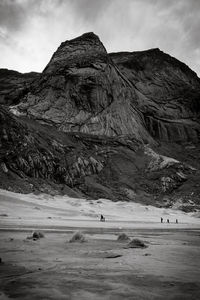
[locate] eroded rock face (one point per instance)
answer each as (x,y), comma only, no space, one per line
(81,90)
(29,154)
(79,52)
(168,93)
(35,157)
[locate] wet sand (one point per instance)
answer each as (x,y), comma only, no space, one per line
(102,267)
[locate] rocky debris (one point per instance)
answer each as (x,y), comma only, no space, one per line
(78,237)
(157,161)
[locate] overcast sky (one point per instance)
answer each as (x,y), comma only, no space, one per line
(31,30)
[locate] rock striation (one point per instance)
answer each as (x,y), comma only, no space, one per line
(122,126)
(81,90)
(168,93)
(35,157)
(146,94)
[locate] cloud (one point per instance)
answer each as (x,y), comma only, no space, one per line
(12,15)
(90,10)
(30,30)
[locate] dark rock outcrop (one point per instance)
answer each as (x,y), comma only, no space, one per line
(14,85)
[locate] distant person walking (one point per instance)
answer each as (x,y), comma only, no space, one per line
(102,219)
(176,221)
(161,220)
(167,220)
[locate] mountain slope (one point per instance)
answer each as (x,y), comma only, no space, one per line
(36,157)
(82,90)
(171,93)
(123,126)
(147,93)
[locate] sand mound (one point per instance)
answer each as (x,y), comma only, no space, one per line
(123,237)
(136,243)
(36,235)
(78,237)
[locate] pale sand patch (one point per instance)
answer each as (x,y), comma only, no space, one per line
(48,211)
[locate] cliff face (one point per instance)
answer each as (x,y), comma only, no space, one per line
(147,93)
(82,90)
(37,157)
(119,126)
(168,93)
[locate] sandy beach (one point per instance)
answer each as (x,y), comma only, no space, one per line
(101,267)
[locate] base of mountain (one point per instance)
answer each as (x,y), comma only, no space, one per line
(38,158)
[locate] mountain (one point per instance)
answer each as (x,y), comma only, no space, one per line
(82,90)
(123,126)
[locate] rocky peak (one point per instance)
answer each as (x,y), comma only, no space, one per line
(144,93)
(81,90)
(88,37)
(80,52)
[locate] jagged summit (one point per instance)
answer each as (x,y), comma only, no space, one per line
(80,51)
(88,36)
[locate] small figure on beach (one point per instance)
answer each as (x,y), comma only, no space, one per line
(161,220)
(167,220)
(102,219)
(176,221)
